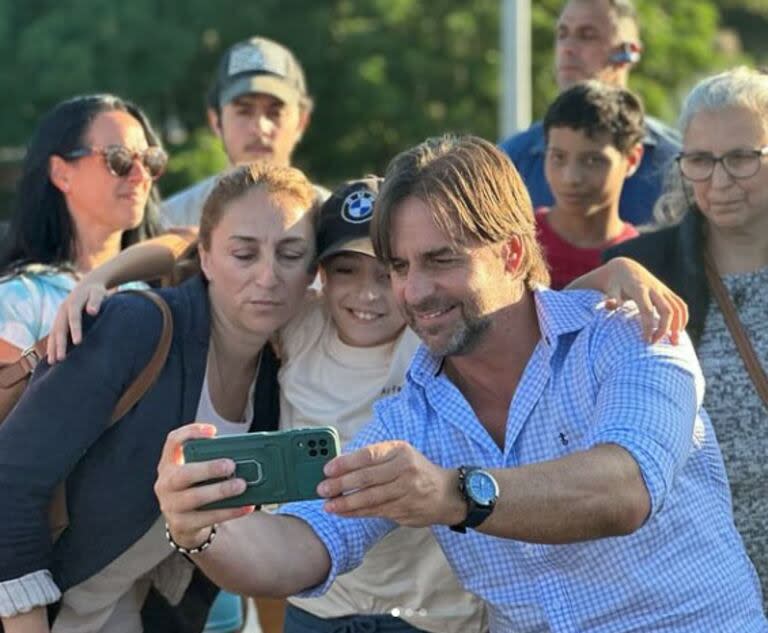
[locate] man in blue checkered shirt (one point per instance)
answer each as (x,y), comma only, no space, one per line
(565,465)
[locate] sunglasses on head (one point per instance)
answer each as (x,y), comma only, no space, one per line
(119,159)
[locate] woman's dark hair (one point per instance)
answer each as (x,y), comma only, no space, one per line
(596,108)
(41,228)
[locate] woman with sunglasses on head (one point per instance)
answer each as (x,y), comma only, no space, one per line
(86,191)
(715,256)
(256,251)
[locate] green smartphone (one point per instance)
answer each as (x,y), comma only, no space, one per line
(277,466)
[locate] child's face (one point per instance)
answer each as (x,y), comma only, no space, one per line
(586,174)
(359,297)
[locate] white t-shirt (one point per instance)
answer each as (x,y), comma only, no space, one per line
(323,381)
(185,207)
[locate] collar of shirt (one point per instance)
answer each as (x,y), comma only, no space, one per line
(559,312)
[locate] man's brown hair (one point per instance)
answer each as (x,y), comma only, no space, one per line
(474,192)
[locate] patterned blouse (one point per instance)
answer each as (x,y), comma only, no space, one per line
(739,416)
(28,302)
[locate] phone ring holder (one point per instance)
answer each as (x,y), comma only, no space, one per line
(250,470)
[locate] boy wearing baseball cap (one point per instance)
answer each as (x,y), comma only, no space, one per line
(259,107)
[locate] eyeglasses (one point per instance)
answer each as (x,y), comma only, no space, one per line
(119,159)
(738,163)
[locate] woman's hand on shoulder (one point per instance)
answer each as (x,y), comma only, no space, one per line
(180,495)
(662,311)
(87,295)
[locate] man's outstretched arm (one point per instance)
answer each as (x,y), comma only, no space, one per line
(590,494)
(258,554)
(639,439)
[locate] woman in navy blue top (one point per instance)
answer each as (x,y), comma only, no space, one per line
(256,252)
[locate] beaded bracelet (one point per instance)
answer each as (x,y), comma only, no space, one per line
(194,550)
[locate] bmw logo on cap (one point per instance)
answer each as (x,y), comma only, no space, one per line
(358,207)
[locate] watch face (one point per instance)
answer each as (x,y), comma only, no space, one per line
(481,487)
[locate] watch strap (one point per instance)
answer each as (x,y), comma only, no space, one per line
(476,513)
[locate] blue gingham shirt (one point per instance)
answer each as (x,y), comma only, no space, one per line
(591,380)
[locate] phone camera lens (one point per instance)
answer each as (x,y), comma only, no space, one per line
(313,453)
(323,442)
(311,443)
(324,451)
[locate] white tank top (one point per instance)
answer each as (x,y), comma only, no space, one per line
(206,412)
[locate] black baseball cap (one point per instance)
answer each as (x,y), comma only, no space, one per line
(259,65)
(344,222)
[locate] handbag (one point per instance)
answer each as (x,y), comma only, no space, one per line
(735,327)
(15,376)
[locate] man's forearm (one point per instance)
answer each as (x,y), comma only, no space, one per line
(587,495)
(265,555)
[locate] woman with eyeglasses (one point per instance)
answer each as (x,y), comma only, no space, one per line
(717,206)
(86,191)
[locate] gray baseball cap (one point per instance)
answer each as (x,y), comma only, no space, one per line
(260,65)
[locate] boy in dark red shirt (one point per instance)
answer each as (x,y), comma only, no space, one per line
(594,136)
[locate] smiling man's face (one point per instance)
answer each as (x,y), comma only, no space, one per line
(447,292)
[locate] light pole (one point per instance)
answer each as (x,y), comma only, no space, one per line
(515,76)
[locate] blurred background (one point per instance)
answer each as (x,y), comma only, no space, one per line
(384,73)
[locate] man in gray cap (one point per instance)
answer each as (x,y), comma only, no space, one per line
(259,107)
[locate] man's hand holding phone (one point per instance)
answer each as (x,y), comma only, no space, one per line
(266,555)
(204,480)
(395,481)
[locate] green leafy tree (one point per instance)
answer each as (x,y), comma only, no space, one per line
(748,22)
(198,158)
(660,82)
(384,73)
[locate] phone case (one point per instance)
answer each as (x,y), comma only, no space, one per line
(278,466)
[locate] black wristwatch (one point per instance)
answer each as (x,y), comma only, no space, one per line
(480,491)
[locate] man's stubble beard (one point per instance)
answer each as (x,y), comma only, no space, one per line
(468,332)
